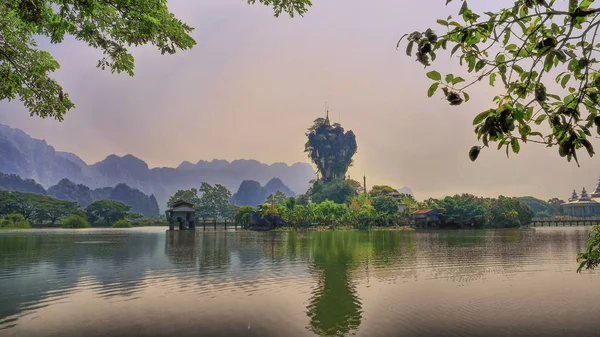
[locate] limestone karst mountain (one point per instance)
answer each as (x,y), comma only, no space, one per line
(35,159)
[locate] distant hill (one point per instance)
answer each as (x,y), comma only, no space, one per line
(32,158)
(251,193)
(83,195)
(406,190)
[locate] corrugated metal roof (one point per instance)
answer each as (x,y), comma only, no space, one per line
(422,211)
(183,209)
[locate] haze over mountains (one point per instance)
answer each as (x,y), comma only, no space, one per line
(32,158)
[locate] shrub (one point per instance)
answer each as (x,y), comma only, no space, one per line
(76,221)
(122,224)
(14,221)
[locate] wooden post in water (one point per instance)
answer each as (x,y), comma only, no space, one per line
(215,223)
(235,224)
(204,223)
(225,224)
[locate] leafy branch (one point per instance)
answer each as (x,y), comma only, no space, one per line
(522,45)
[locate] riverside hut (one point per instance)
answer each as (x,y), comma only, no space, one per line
(183,214)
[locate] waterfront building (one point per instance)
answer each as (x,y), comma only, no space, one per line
(584,205)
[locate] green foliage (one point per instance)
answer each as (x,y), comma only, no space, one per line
(337,190)
(111,26)
(122,224)
(290,203)
(214,202)
(190,196)
(14,221)
(242,215)
(107,211)
(591,257)
(266,209)
(291,7)
(507,212)
(469,211)
(75,221)
(385,204)
(382,190)
(278,198)
(523,49)
(330,148)
(36,207)
(541,208)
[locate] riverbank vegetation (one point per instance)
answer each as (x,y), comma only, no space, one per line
(22,210)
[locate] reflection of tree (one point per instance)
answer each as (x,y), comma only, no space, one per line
(206,251)
(37,266)
(334,309)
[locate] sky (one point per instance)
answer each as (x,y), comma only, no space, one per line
(254,83)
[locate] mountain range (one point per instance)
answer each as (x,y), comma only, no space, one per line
(35,159)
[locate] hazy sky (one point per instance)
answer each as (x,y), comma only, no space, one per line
(254,84)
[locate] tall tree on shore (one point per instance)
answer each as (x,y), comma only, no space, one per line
(111,26)
(523,49)
(330,148)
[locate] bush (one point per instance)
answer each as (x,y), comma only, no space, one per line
(75,221)
(149,223)
(122,224)
(14,221)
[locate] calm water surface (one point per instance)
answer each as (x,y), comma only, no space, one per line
(149,282)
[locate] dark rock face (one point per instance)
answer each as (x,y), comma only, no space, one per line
(251,193)
(269,222)
(34,159)
(68,190)
(12,182)
(275,185)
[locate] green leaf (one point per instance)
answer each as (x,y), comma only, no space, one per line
(467,97)
(449,78)
(565,80)
(514,143)
(432,89)
(540,119)
(443,22)
(434,75)
(492,79)
(479,118)
(457,80)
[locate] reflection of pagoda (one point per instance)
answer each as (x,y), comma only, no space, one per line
(584,205)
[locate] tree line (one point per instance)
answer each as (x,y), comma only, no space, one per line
(21,210)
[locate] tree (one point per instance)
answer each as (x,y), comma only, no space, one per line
(75,221)
(330,148)
(463,210)
(214,202)
(106,210)
(109,25)
(338,190)
(518,48)
(386,204)
(290,203)
(190,196)
(590,259)
(382,190)
(242,215)
(55,210)
(279,198)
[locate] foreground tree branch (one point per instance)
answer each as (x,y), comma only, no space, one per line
(527,47)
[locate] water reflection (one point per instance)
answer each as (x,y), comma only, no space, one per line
(331,272)
(334,308)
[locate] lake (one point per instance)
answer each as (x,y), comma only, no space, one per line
(148,282)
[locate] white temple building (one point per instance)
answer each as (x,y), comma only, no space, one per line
(584,205)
